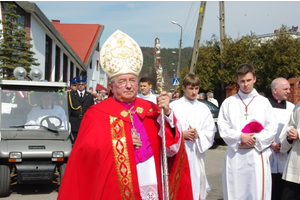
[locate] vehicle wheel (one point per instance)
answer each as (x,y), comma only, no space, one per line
(61,172)
(4,180)
(219,141)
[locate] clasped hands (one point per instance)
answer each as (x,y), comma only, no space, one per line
(247,139)
(276,147)
(190,134)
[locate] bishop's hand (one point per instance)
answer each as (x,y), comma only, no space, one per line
(137,143)
(163,102)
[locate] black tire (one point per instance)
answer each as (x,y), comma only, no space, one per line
(62,171)
(4,180)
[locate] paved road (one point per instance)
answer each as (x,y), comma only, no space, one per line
(213,167)
(33,192)
(214,160)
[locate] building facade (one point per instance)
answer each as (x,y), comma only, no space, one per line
(62,56)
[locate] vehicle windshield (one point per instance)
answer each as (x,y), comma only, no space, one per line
(37,109)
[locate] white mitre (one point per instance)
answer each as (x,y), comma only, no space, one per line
(120,54)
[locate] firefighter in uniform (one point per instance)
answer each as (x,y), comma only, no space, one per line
(79,101)
(73,84)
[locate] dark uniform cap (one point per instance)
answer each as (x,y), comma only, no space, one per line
(73,81)
(81,79)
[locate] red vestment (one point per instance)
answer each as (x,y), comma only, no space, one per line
(102,163)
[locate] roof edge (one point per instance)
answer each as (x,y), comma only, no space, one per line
(34,9)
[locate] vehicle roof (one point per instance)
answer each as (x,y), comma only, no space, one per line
(33,83)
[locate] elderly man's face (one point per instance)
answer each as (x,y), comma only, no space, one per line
(124,88)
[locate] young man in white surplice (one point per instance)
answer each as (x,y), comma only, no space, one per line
(195,121)
(246,169)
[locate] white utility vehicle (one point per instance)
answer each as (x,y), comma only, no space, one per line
(32,151)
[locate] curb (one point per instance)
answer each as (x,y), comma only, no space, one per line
(219,147)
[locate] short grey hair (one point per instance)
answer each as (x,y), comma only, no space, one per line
(112,80)
(202,95)
(276,82)
(210,94)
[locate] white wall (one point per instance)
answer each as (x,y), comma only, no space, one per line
(38,35)
(38,41)
(93,74)
(96,77)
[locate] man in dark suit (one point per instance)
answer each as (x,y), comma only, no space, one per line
(79,101)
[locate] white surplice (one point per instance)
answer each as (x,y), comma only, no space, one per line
(246,173)
(150,97)
(278,160)
(197,115)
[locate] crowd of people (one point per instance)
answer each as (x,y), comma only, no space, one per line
(117,153)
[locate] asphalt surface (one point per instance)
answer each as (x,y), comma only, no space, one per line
(213,168)
(214,160)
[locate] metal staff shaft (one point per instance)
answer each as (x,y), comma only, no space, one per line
(160,86)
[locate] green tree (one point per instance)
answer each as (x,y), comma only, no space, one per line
(277,56)
(14,45)
(208,65)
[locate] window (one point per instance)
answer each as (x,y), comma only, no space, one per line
(72,71)
(65,68)
(57,64)
(20,12)
(48,56)
(98,47)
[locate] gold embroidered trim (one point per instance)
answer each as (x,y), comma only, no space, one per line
(124,113)
(178,173)
(139,110)
(121,157)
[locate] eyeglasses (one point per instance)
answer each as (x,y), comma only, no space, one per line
(122,83)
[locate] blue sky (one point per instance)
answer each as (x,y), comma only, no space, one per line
(146,20)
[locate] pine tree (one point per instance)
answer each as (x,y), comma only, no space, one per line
(14,45)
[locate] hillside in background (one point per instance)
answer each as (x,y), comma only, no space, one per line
(167,58)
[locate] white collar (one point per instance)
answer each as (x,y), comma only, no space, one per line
(250,95)
(145,96)
(81,92)
(189,101)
